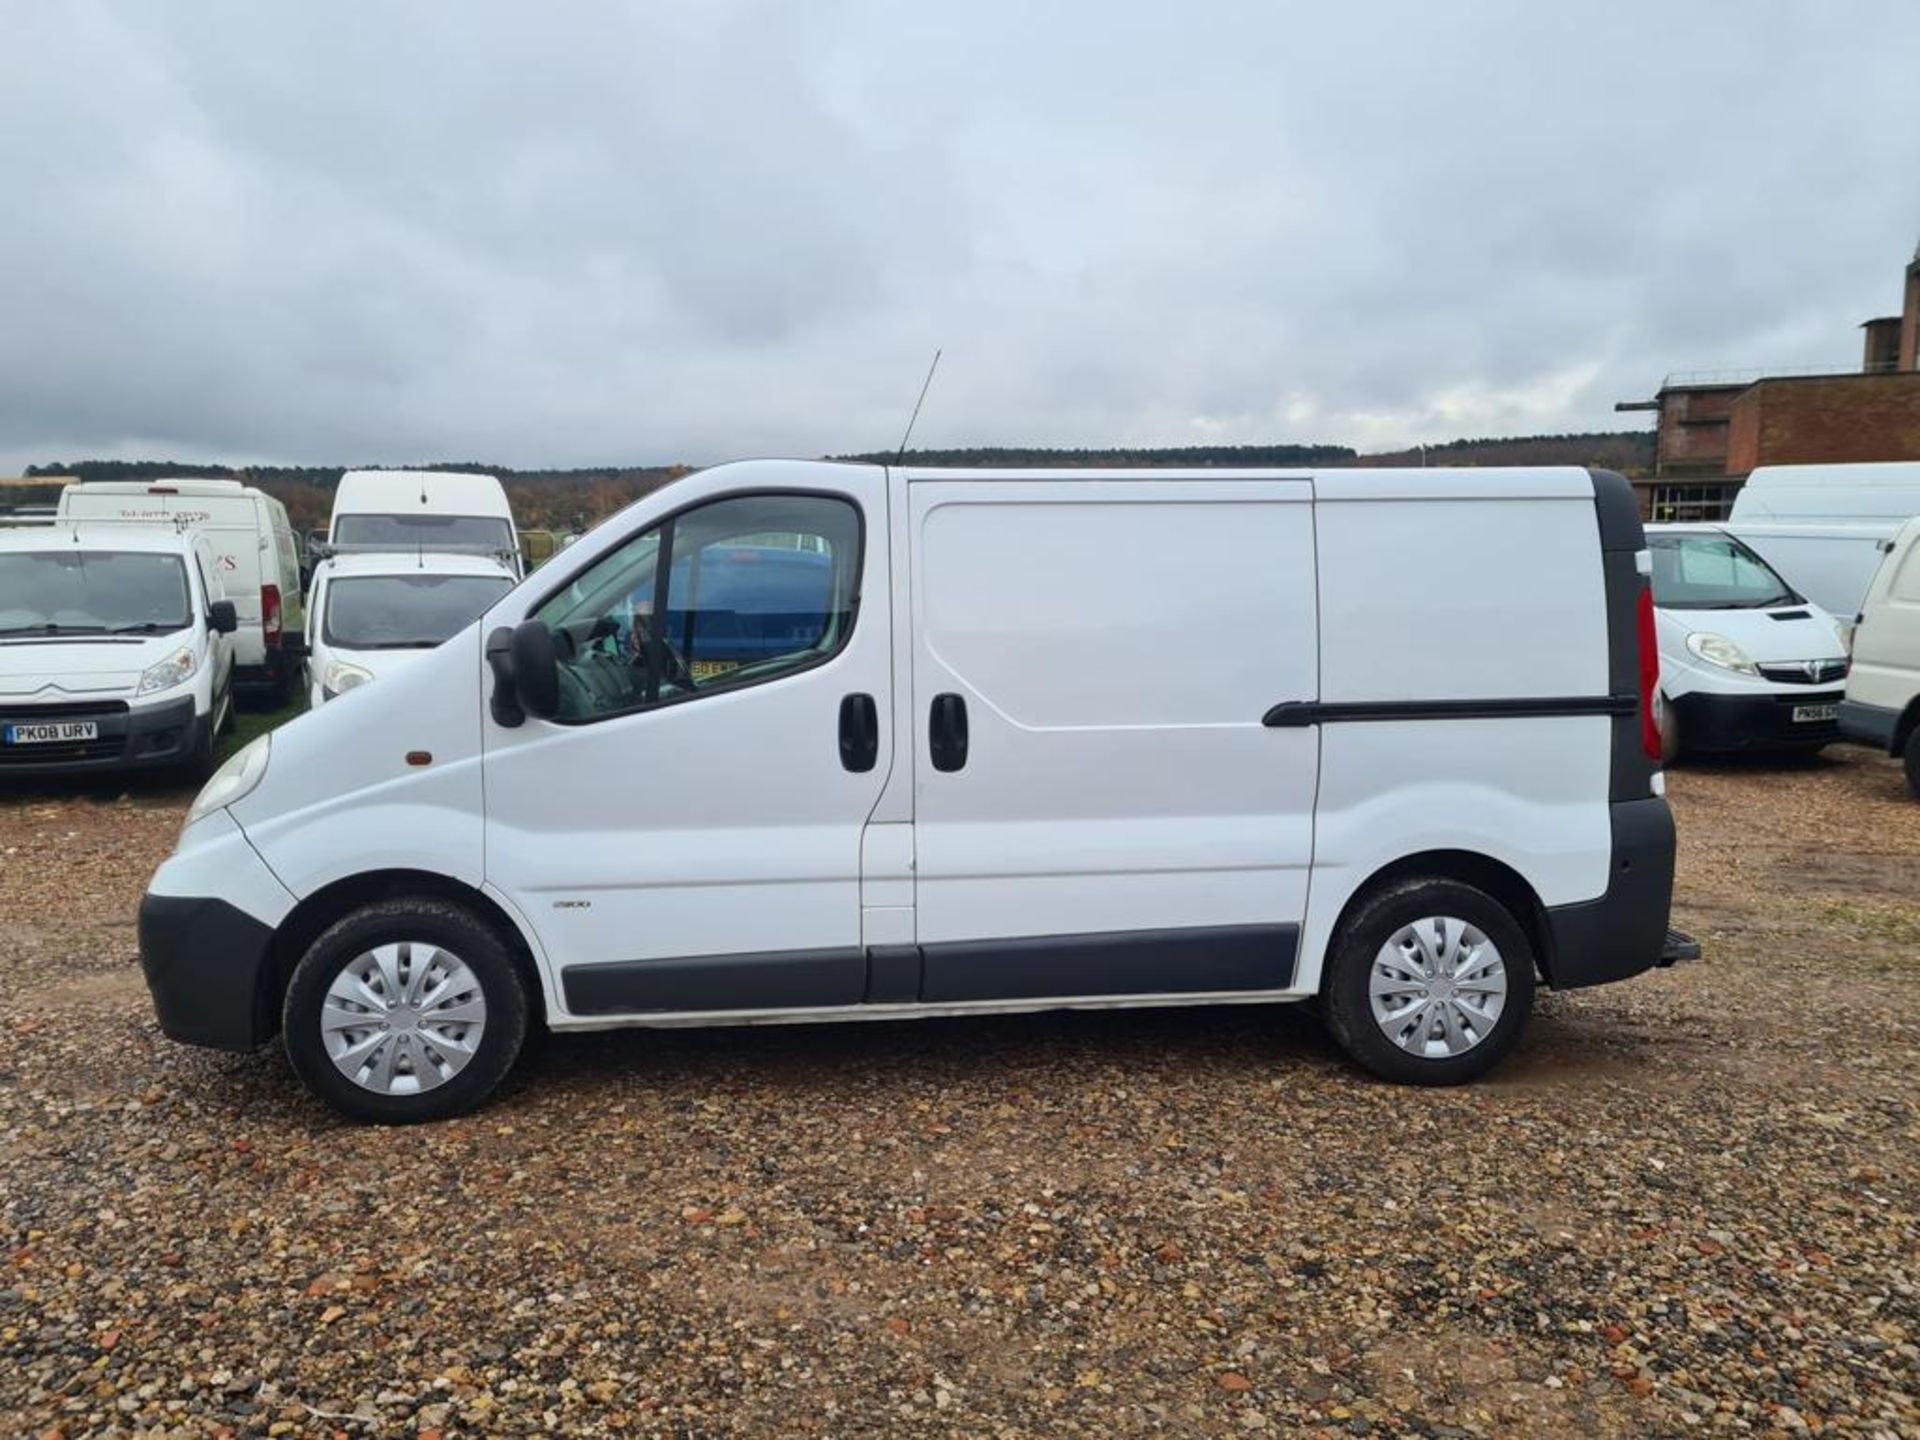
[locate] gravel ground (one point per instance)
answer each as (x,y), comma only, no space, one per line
(1687,1205)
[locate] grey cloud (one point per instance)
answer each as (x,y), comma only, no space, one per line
(564,235)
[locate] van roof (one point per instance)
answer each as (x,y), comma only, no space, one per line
(432,492)
(98,535)
(164,485)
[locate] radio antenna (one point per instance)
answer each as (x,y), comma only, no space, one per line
(925,385)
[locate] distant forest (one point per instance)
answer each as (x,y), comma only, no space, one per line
(558,500)
(571,500)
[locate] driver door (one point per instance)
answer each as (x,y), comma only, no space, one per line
(685,834)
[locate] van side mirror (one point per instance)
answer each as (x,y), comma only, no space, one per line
(526,673)
(536,669)
(223,617)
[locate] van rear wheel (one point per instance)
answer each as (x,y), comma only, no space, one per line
(1910,757)
(405,1010)
(1428,982)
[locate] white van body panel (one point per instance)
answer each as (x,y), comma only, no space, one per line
(251,536)
(1886,651)
(1123,779)
(214,855)
(1829,562)
(340,799)
(1829,494)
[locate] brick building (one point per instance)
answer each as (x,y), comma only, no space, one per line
(1714,429)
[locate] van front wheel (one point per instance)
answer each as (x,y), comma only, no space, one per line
(405,1010)
(1428,982)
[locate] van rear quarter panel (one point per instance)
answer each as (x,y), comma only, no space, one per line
(1462,588)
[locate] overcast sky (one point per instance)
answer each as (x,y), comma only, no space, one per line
(574,234)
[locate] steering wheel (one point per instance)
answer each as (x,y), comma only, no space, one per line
(678,671)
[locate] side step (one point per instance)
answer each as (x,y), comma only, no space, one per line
(1679,947)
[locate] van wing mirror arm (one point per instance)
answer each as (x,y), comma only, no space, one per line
(504,704)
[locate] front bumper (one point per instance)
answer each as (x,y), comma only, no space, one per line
(1722,723)
(1874,725)
(127,738)
(207,963)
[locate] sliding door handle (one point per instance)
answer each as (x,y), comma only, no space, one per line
(859,733)
(947,732)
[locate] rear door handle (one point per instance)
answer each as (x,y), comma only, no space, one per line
(859,733)
(947,732)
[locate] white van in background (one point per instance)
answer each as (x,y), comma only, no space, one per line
(253,549)
(980,741)
(114,649)
(1882,708)
(1823,527)
(1746,662)
(373,614)
(422,510)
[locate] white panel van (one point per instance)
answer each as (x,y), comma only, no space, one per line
(1823,527)
(253,548)
(1882,704)
(424,510)
(114,649)
(1746,662)
(372,614)
(794,741)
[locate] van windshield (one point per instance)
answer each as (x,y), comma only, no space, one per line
(50,592)
(425,532)
(405,612)
(1713,572)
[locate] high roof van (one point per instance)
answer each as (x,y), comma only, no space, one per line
(253,548)
(424,510)
(976,742)
(1823,527)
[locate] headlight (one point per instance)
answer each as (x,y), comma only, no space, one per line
(168,673)
(1718,650)
(234,780)
(340,677)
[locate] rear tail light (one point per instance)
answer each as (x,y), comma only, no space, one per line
(270,612)
(1649,674)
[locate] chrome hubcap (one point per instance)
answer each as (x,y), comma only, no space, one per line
(403,1018)
(1438,987)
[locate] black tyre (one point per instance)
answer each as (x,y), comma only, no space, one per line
(1428,982)
(1910,757)
(1667,721)
(405,1010)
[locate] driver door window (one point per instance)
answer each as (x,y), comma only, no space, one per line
(725,595)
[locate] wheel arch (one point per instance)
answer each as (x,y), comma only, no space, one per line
(1468,867)
(1903,729)
(309,919)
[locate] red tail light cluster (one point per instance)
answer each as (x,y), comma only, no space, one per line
(1649,674)
(270,612)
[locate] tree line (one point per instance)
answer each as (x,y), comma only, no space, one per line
(572,500)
